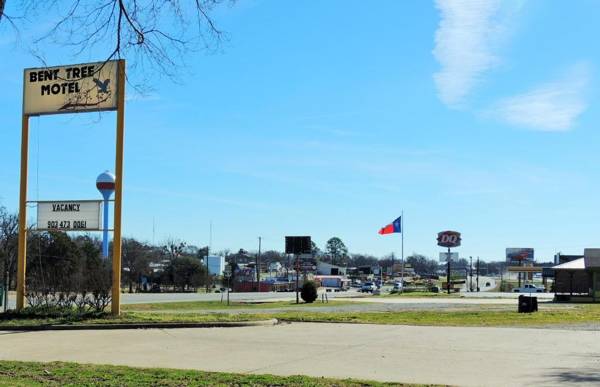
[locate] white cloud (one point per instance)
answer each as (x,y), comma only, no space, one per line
(465,41)
(553,106)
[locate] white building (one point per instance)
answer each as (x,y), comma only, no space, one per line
(324,268)
(216,265)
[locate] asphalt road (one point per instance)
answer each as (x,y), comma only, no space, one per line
(443,355)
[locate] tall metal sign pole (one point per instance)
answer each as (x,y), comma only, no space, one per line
(75,88)
(448,271)
(21,262)
(448,239)
(116,263)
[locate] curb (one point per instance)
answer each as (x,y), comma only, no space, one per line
(81,327)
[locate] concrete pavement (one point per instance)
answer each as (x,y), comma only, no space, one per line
(458,356)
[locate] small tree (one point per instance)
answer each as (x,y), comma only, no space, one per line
(309,292)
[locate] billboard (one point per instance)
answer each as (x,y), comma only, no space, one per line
(70,88)
(444,257)
(516,255)
(69,215)
(298,245)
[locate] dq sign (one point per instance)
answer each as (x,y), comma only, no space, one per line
(448,239)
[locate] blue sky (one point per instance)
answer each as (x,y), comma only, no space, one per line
(330,118)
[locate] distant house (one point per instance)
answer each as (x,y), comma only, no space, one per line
(275,266)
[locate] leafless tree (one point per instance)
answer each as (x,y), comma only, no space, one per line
(9,229)
(150,33)
(173,248)
(136,258)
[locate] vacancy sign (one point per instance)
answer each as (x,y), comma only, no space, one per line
(69,215)
(70,89)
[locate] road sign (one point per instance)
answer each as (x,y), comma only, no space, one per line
(448,239)
(69,215)
(70,88)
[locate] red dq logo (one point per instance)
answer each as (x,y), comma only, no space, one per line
(448,239)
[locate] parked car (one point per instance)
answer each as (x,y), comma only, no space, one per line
(528,288)
(368,287)
(397,287)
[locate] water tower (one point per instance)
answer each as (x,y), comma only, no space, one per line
(106,185)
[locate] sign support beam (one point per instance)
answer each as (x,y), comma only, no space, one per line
(116,259)
(22,254)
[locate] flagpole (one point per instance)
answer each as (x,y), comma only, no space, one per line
(402,252)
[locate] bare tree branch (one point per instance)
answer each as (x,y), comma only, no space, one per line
(155,36)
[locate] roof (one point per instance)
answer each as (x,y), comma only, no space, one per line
(577,264)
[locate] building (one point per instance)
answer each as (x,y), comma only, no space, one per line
(579,279)
(324,268)
(216,265)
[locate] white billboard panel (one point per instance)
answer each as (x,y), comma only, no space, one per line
(70,88)
(444,257)
(69,215)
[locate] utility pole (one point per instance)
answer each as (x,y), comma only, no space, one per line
(258,264)
(206,275)
(401,253)
(471,272)
(208,253)
(477,273)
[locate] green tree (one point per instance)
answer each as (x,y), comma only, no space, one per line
(336,250)
(421,264)
(185,273)
(309,292)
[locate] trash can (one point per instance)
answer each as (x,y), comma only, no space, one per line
(527,304)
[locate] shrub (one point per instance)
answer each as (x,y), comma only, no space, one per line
(309,292)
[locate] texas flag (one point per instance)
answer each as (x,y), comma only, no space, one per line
(394,227)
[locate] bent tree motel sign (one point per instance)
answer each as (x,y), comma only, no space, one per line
(77,88)
(69,89)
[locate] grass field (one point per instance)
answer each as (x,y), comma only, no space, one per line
(72,374)
(217,305)
(554,314)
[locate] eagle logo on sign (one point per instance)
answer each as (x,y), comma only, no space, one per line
(102,85)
